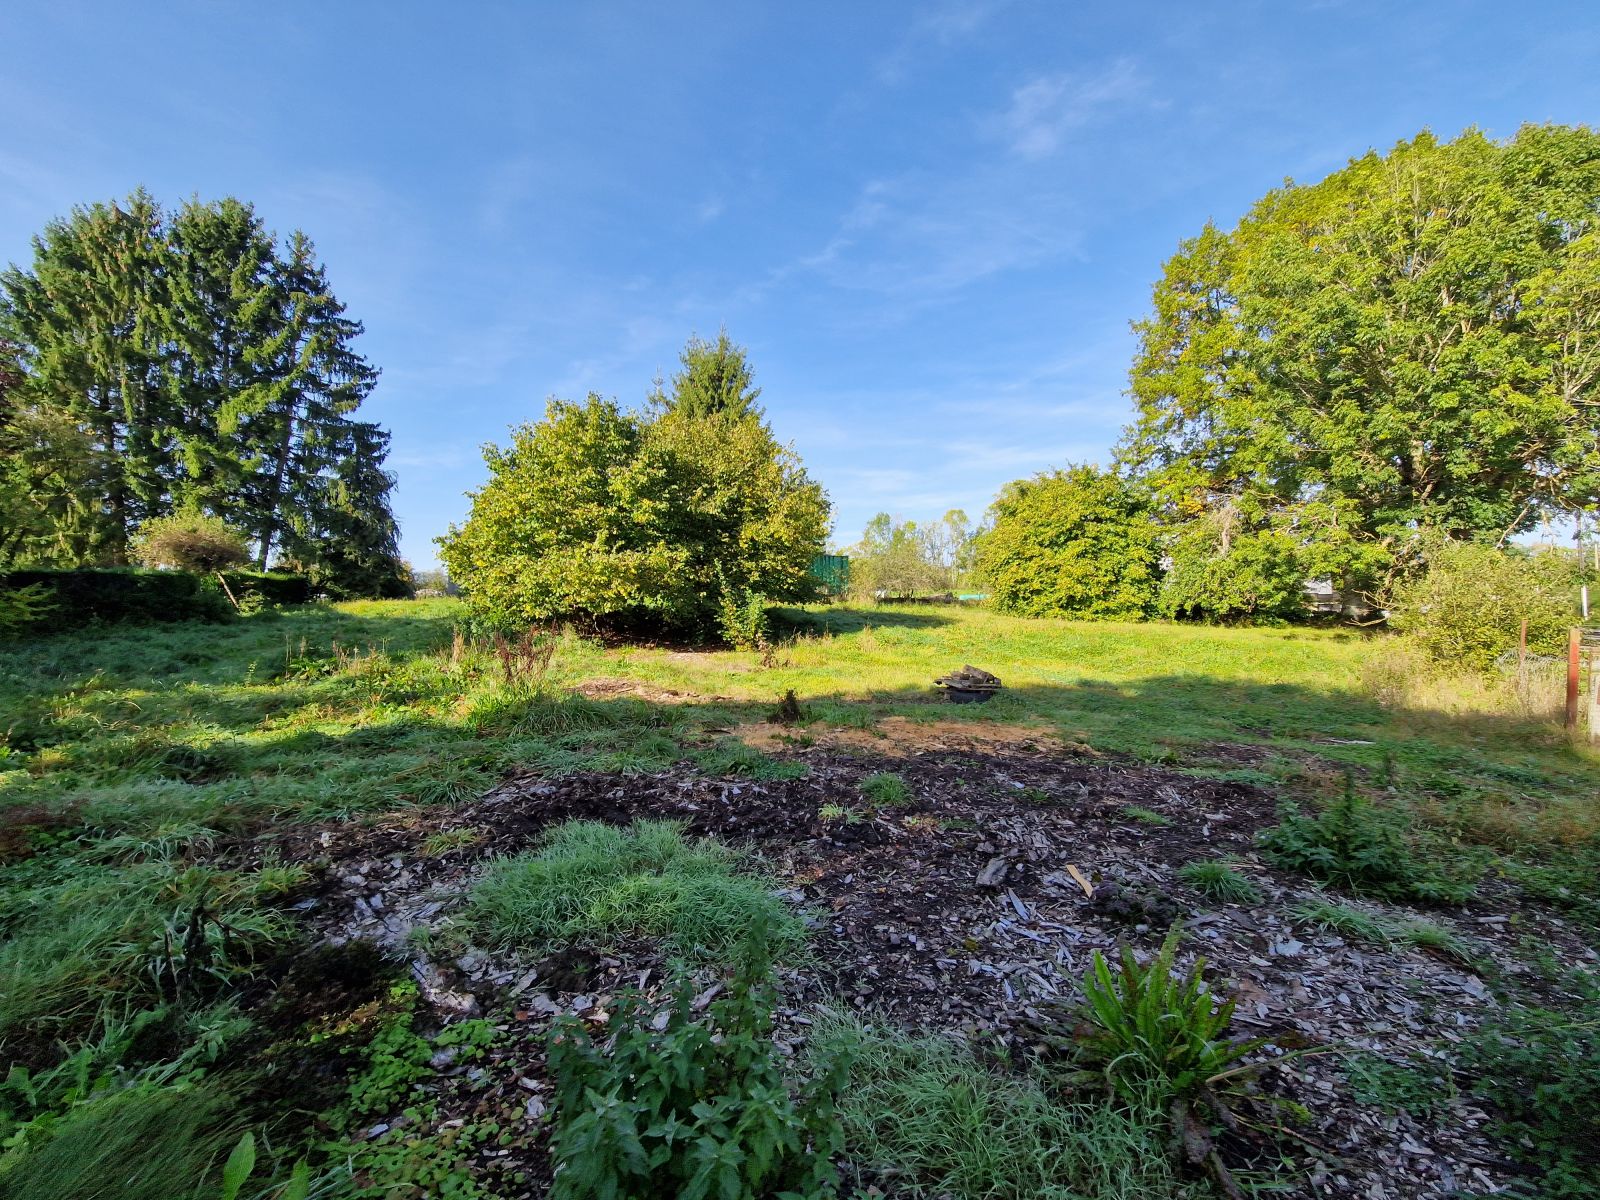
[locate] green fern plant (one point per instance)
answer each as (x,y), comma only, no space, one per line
(1161,1041)
(1155,1032)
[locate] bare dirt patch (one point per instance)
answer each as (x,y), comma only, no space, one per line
(612,689)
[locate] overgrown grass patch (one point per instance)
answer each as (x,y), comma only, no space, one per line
(141,1143)
(927,1111)
(591,881)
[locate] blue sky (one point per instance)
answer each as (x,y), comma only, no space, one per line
(930,223)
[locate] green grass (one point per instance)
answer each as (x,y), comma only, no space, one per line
(946,1124)
(592,881)
(1221,882)
(138,1144)
(885,789)
(1355,925)
(126,751)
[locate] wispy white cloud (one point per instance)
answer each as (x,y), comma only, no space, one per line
(936,28)
(1046,111)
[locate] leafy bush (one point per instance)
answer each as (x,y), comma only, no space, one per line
(1354,845)
(1258,576)
(742,618)
(1073,543)
(700,1107)
(190,542)
(925,1111)
(1219,881)
(1466,609)
(1536,1066)
(637,521)
(593,881)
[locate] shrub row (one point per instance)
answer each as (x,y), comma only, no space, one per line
(72,599)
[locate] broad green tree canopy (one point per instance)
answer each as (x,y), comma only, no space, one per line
(646,520)
(1412,342)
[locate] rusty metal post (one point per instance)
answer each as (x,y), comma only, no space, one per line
(1574,640)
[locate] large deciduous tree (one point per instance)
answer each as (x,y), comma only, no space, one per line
(643,521)
(1412,343)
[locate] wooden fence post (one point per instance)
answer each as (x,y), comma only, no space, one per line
(1594,696)
(1574,640)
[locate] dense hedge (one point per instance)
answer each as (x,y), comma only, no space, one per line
(77,598)
(274,587)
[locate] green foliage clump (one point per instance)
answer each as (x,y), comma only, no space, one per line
(404,1162)
(23,607)
(928,1112)
(1161,1041)
(1536,1068)
(742,616)
(1221,882)
(1405,344)
(592,880)
(1257,576)
(139,1143)
(886,790)
(1421,1086)
(1155,1034)
(700,1107)
(1073,543)
(639,521)
(1467,607)
(1354,845)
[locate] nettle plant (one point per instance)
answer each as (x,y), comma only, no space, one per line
(698,1107)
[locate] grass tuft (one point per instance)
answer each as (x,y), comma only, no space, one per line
(592,881)
(1220,882)
(886,790)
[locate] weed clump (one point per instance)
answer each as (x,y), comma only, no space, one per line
(692,1105)
(594,881)
(930,1113)
(1356,846)
(1536,1067)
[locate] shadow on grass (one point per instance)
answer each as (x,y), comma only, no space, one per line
(854,619)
